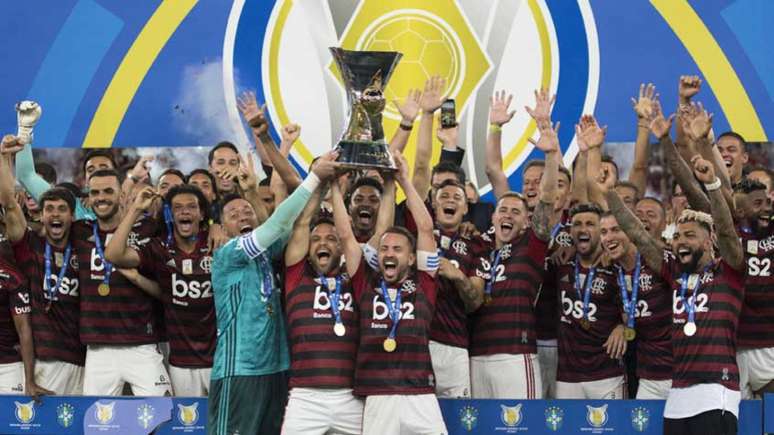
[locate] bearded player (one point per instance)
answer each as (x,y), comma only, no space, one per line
(394,371)
(182,270)
(590,323)
(755,355)
(52,270)
(504,362)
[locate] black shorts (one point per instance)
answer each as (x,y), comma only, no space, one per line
(247,405)
(715,422)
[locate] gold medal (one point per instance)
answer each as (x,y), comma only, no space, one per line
(629,333)
(339,329)
(103,289)
(487,299)
(390,344)
(585,324)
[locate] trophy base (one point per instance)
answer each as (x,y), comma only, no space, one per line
(362,155)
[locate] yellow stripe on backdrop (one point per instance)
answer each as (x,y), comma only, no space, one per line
(714,65)
(132,70)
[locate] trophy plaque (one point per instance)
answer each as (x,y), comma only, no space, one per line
(365,75)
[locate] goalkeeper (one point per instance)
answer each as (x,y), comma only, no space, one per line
(248,387)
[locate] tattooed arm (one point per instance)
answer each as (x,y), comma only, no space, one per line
(651,250)
(684,176)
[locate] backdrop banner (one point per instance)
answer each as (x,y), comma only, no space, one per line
(174,416)
(168,73)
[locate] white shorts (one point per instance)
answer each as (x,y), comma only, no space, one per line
(12,378)
(403,415)
(608,389)
(193,382)
(316,411)
(61,377)
(451,367)
(109,367)
(548,355)
(653,390)
(505,376)
(756,369)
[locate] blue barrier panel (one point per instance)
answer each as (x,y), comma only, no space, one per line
(176,416)
(768,413)
(571,416)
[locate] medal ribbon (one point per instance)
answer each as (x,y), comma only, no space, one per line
(51,292)
(630,304)
(333,298)
(268,282)
(169,222)
(492,275)
(690,303)
(98,245)
(586,288)
(394,309)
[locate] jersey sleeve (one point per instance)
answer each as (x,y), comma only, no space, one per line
(19,301)
(668,266)
(151,258)
(428,286)
(22,248)
(293,274)
(360,280)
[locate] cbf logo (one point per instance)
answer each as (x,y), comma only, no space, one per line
(554,418)
(65,414)
(188,415)
(435,38)
(640,418)
(145,414)
(469,417)
(25,412)
(596,417)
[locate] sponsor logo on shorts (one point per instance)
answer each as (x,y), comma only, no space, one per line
(640,418)
(468,417)
(65,414)
(554,418)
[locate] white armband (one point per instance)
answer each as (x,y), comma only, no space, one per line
(311,182)
(715,185)
(427,261)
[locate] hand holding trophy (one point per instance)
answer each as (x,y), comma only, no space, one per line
(27,115)
(365,75)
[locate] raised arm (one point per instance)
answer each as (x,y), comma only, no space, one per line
(592,136)
(729,245)
(351,248)
(415,204)
(638,175)
(408,110)
(248,107)
(651,250)
(429,102)
(298,244)
(544,210)
(660,127)
(15,223)
(687,88)
(283,169)
(499,115)
(117,250)
(386,213)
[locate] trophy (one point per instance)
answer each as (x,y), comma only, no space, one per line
(365,75)
(27,115)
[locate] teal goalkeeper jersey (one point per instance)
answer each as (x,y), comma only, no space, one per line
(251,327)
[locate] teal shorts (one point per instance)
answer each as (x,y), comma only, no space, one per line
(247,405)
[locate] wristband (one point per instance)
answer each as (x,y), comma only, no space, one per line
(311,182)
(406,127)
(494,128)
(715,185)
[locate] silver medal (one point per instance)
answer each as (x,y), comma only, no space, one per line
(339,329)
(689,329)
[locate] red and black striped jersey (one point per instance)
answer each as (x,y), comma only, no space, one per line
(318,357)
(709,356)
(56,331)
(582,355)
(653,323)
(125,315)
(14,301)
(450,323)
(546,308)
(507,323)
(189,310)
(756,324)
(406,370)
